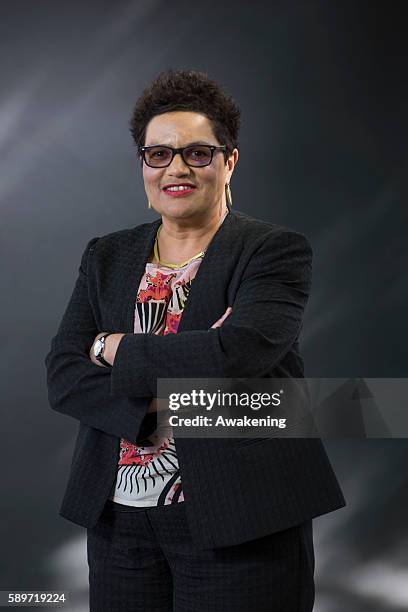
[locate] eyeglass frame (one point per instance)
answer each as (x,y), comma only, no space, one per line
(180,150)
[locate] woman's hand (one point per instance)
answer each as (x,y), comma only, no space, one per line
(222,319)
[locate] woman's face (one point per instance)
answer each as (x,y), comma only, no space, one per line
(179,129)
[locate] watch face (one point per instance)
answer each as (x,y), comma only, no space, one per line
(98,348)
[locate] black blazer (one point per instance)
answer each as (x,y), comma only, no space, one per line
(235,490)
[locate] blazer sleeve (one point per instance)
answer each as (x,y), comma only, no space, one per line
(76,386)
(265,322)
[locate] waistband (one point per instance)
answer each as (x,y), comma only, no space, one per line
(123,508)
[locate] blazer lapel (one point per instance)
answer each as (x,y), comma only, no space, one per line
(208,291)
(135,256)
(209,284)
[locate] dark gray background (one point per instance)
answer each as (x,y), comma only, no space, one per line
(322,87)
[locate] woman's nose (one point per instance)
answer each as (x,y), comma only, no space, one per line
(178,164)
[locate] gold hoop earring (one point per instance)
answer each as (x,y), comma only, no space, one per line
(149,204)
(228,194)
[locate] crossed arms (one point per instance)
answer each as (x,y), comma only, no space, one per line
(265,321)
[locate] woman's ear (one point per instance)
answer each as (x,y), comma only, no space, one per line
(231,161)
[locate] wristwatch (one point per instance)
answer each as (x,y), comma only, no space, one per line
(99,348)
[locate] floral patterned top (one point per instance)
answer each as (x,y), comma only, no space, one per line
(148,474)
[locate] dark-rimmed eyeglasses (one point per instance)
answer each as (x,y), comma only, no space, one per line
(197,156)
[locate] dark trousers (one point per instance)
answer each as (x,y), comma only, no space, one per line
(144,560)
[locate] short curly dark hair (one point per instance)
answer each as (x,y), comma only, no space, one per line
(188,90)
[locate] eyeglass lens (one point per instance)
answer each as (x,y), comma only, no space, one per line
(199,155)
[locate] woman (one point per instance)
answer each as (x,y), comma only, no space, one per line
(203,291)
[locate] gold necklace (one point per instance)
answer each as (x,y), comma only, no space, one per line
(184,263)
(170,265)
